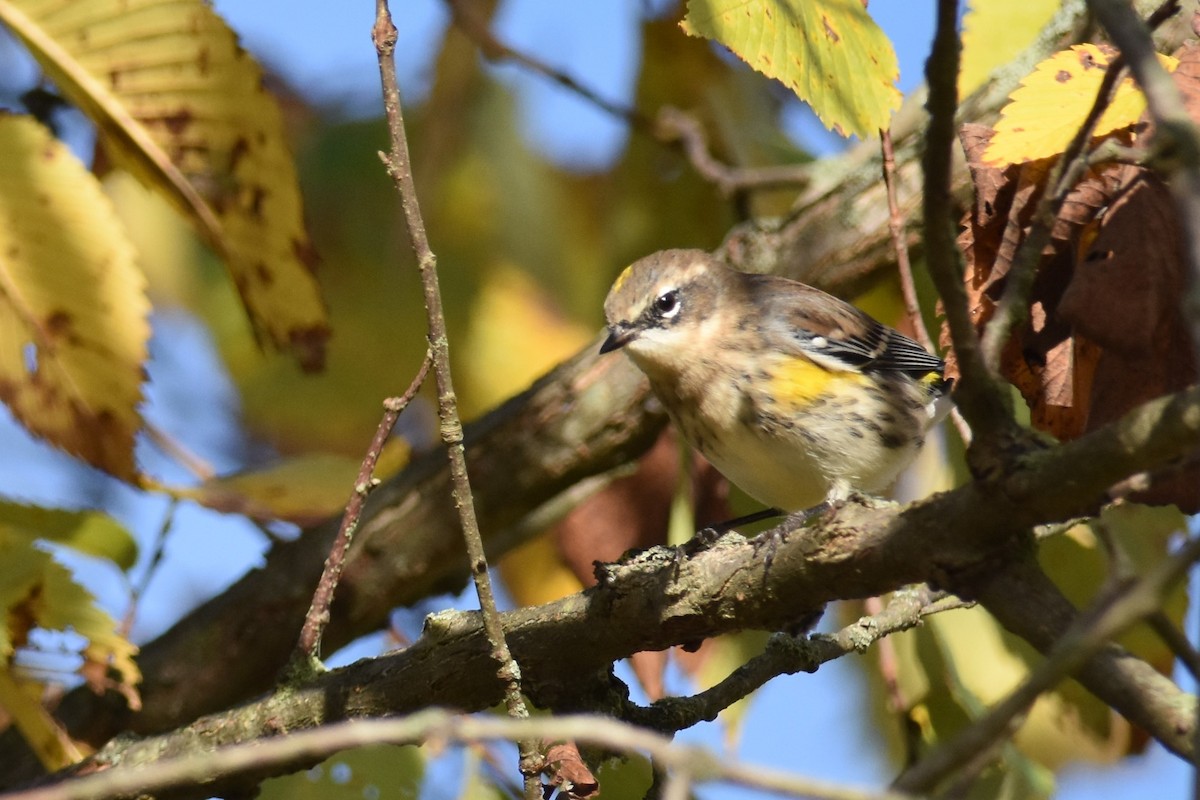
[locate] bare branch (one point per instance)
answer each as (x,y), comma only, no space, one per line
(400,168)
(308,649)
(697,764)
(981,396)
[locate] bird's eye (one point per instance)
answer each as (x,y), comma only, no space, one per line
(666,305)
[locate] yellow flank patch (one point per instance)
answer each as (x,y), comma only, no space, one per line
(798,381)
(624,276)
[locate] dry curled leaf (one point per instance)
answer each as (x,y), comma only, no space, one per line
(1104,329)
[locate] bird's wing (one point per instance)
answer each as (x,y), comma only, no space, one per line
(831,332)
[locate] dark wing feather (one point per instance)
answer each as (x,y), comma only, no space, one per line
(832,331)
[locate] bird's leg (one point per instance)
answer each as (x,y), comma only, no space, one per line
(708,535)
(768,542)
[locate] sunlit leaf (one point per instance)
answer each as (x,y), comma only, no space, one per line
(22,702)
(515,335)
(1048,107)
(1143,534)
(829,52)
(305,489)
(73,326)
(995,32)
(984,664)
(90,532)
(182,106)
(38,592)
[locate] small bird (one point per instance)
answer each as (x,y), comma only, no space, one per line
(797,397)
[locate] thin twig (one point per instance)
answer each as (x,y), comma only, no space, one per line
(1108,616)
(670,127)
(1013,306)
(674,126)
(897,226)
(495,50)
(308,648)
(785,655)
(983,399)
(699,764)
(399,167)
(888,663)
(138,590)
(899,232)
(177,451)
(1174,639)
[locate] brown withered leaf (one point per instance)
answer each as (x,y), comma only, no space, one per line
(1041,360)
(1104,331)
(569,773)
(1125,299)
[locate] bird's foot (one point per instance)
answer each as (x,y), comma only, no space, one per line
(768,542)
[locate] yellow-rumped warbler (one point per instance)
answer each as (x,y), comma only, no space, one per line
(794,395)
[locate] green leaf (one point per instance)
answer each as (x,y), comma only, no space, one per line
(379,770)
(90,532)
(829,52)
(73,307)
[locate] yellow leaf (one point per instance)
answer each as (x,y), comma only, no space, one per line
(534,573)
(37,591)
(829,52)
(305,490)
(516,334)
(984,667)
(73,309)
(1048,107)
(90,532)
(182,106)
(45,737)
(995,32)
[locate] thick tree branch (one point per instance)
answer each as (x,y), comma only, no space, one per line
(653,602)
(587,416)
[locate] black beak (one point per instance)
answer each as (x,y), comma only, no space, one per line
(618,337)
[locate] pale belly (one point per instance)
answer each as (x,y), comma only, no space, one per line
(798,464)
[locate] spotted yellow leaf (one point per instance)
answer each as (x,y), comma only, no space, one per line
(179,104)
(1048,107)
(73,307)
(829,52)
